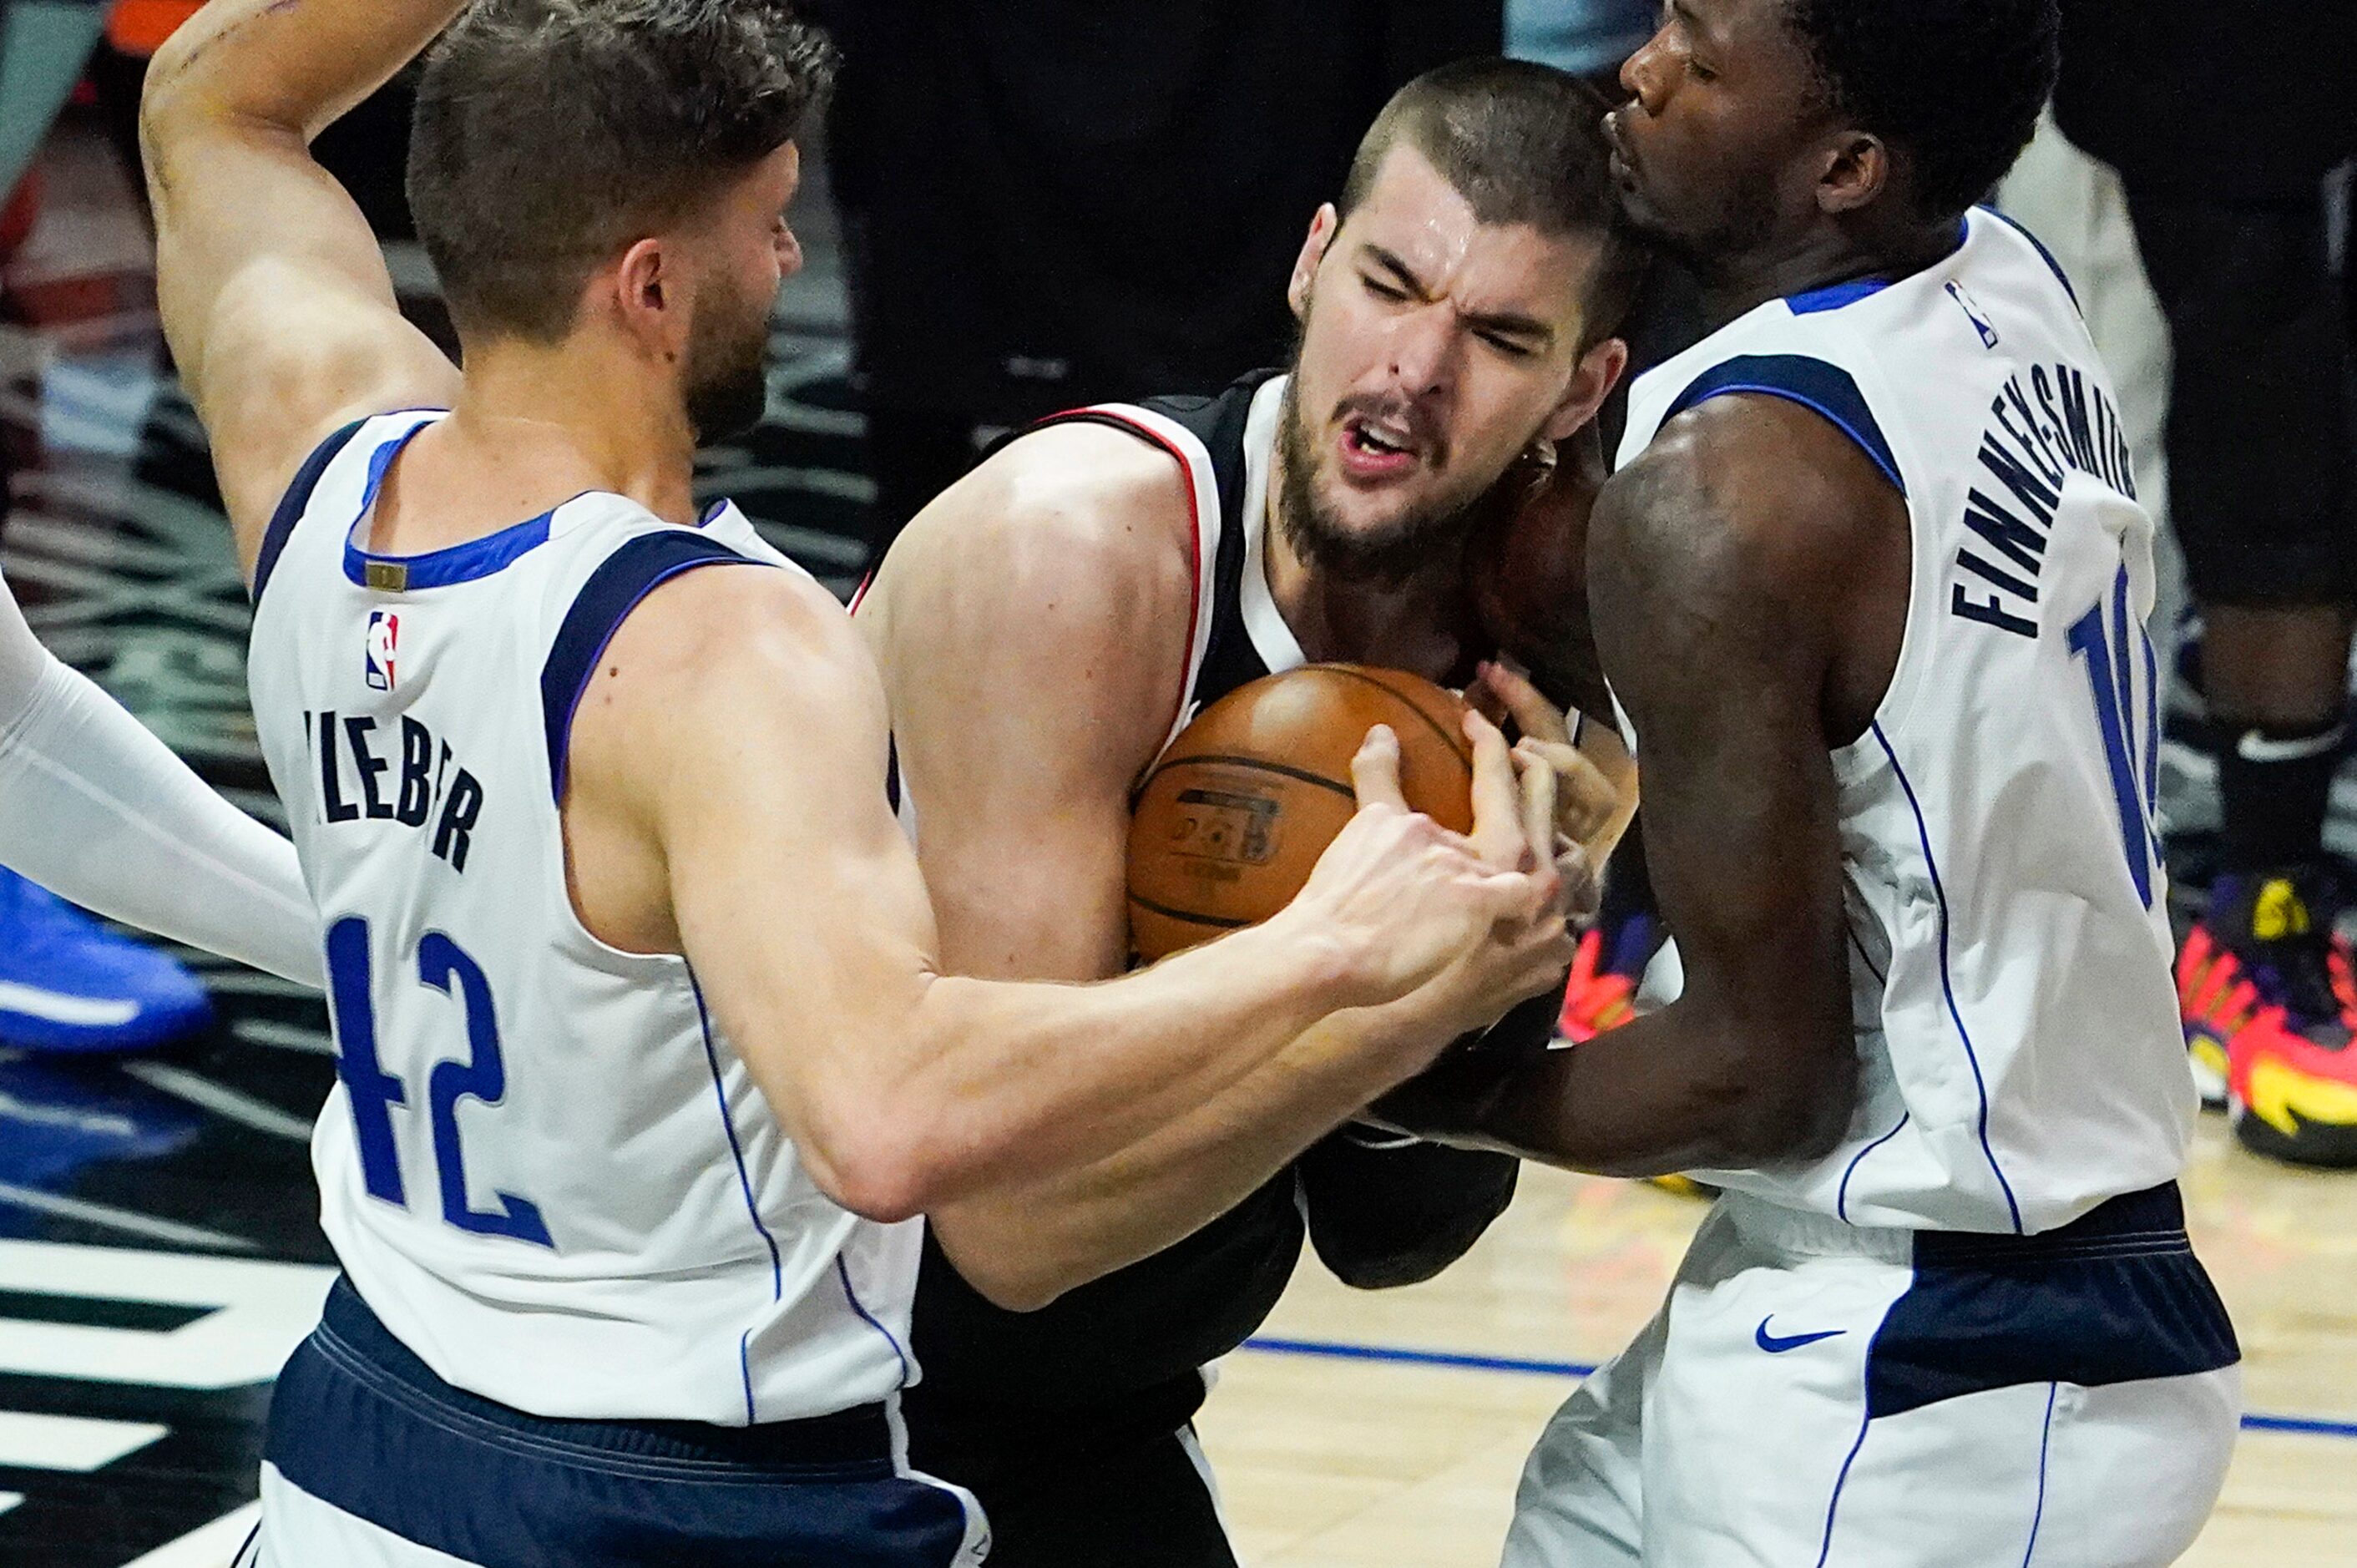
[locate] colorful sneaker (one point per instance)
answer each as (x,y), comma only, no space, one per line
(1605,974)
(2268,994)
(68,984)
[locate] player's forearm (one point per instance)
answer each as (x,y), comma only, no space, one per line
(1675,1090)
(1024,1246)
(1023,1081)
(287,65)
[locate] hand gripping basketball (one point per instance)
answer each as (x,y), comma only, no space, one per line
(1407,900)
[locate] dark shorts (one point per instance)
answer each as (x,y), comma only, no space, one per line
(2262,434)
(360,1423)
(1113,1485)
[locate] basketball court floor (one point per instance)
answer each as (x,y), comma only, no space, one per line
(158,1249)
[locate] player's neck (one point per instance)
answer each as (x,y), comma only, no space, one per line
(1409,625)
(1822,258)
(534,426)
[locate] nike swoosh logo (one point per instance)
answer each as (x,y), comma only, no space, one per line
(1777,1344)
(2255,746)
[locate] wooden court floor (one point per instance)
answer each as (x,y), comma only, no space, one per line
(1328,1460)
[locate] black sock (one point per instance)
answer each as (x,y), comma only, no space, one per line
(2277,783)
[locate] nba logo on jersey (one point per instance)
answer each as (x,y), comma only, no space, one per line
(1972,310)
(384,640)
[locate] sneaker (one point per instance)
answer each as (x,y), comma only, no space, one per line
(68,984)
(1605,973)
(2268,994)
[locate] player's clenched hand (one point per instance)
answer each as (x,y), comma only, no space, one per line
(1596,779)
(1407,900)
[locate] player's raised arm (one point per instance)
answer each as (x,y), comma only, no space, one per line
(738,724)
(274,295)
(1727,563)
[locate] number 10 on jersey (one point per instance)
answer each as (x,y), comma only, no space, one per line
(2109,660)
(443,966)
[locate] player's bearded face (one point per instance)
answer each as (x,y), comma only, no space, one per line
(1388,543)
(727,369)
(1388,530)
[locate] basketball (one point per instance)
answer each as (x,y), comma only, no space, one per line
(1231,819)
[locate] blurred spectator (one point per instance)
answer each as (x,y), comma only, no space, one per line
(1586,37)
(2224,123)
(43,44)
(1048,202)
(367,150)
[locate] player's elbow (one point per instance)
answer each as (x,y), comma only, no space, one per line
(1789,1105)
(874,1171)
(165,104)
(1008,1255)
(1010,1280)
(874,1189)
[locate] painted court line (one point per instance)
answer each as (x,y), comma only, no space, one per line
(69,1441)
(2309,1426)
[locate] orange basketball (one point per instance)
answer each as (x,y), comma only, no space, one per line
(1231,819)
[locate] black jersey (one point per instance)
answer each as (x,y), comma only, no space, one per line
(1380,1209)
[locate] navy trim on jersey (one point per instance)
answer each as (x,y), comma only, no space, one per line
(843,1273)
(360,1423)
(1814,384)
(1833,1504)
(459,563)
(1841,1194)
(1947,977)
(2038,245)
(745,1186)
(2045,1448)
(2116,1296)
(436,568)
(632,571)
(291,505)
(1832,296)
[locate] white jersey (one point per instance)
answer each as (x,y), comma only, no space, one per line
(541,1165)
(2010,947)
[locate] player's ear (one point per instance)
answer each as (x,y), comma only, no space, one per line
(1313,251)
(647,295)
(1856,169)
(1598,372)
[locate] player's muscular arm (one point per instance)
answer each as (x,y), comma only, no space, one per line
(736,724)
(275,296)
(1031,628)
(1744,592)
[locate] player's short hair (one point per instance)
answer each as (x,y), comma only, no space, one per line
(551,134)
(1956,85)
(1521,142)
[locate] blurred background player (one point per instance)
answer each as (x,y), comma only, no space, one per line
(1047,625)
(1869,584)
(611,822)
(2226,126)
(1046,204)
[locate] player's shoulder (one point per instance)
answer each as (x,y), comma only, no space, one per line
(1747,483)
(1072,521)
(720,613)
